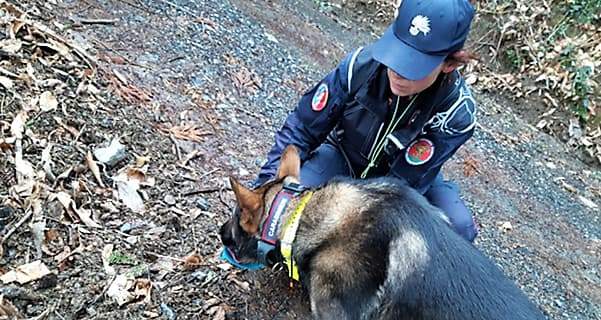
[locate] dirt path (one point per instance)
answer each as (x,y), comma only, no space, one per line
(234,69)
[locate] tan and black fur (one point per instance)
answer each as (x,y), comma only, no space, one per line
(376,249)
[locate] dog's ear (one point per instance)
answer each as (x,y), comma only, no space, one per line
(290,163)
(250,203)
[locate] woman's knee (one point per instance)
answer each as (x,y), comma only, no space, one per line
(445,196)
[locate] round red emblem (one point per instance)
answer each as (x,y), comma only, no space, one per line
(419,152)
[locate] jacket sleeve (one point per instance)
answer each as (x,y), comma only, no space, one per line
(310,122)
(422,159)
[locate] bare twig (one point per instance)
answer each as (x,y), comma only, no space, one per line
(97,21)
(91,61)
(501,35)
(190,156)
(177,151)
(17,225)
(195,192)
(165,257)
(208,173)
(8,73)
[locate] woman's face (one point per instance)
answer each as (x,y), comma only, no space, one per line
(403,87)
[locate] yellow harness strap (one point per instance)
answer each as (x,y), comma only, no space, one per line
(289,233)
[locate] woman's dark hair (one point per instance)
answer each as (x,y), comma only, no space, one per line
(461,57)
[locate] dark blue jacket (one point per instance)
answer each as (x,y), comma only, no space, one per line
(360,108)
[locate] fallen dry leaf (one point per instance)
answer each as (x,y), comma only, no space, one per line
(192,262)
(128,182)
(24,167)
(18,124)
(141,161)
(119,289)
(11,46)
(94,168)
(143,288)
(48,101)
(26,273)
(470,167)
(106,253)
(7,83)
(128,193)
(47,161)
(84,215)
(8,310)
(219,313)
(190,132)
(124,290)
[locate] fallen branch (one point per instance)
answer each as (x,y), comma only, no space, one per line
(10,232)
(177,151)
(165,257)
(194,192)
(91,61)
(8,73)
(97,21)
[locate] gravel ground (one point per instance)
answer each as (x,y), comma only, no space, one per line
(237,68)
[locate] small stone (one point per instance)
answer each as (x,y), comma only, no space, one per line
(47,281)
(126,227)
(112,154)
(167,312)
(259,161)
(199,275)
(6,214)
(132,240)
(559,303)
(129,226)
(170,199)
(202,204)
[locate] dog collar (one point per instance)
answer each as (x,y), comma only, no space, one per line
(289,232)
(269,235)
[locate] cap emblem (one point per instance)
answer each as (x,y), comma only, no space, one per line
(419,24)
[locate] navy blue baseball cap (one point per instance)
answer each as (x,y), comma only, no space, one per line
(423,34)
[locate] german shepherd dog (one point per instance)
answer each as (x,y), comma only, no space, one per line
(376,249)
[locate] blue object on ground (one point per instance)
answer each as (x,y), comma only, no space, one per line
(227,256)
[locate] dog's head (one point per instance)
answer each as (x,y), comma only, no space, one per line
(241,233)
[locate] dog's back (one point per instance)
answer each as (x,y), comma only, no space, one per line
(405,260)
(435,274)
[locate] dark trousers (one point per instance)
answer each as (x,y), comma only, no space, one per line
(327,162)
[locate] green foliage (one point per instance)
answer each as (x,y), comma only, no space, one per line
(117,257)
(576,13)
(138,271)
(583,11)
(514,59)
(583,90)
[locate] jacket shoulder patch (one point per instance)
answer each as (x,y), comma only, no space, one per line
(320,98)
